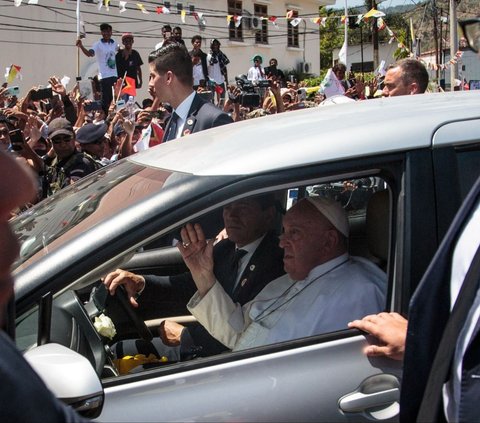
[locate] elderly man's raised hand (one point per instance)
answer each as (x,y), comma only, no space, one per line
(197,253)
(132,282)
(391,331)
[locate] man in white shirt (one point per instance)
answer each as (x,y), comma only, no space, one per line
(217,63)
(324,286)
(104,51)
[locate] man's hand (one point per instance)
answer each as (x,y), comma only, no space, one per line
(170,332)
(57,86)
(198,256)
(133,283)
(391,331)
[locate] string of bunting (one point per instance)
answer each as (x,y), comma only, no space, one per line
(200,17)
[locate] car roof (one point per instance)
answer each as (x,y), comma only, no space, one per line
(314,135)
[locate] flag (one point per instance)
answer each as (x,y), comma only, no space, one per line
(331,86)
(142,8)
(122,5)
(107,5)
(238,20)
(163,9)
(17,3)
(273,20)
(381,24)
(324,22)
(295,21)
(183,13)
(218,89)
(289,14)
(32,1)
(344,19)
(229,18)
(316,20)
(373,13)
(143,142)
(381,71)
(342,54)
(13,72)
(130,87)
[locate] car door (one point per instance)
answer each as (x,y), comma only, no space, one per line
(321,378)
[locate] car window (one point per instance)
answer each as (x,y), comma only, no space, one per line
(366,201)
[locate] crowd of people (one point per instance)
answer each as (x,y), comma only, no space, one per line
(65,136)
(62,141)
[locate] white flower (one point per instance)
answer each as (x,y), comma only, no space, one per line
(105,326)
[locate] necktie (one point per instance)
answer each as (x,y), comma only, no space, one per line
(231,273)
(172,128)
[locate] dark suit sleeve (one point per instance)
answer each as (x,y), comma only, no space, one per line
(178,288)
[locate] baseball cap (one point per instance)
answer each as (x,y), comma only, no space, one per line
(91,132)
(118,129)
(60,126)
(333,212)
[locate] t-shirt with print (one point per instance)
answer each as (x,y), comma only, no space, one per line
(105,54)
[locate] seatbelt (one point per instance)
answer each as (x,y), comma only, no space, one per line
(432,397)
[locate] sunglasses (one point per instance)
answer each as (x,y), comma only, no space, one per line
(59,140)
(471,32)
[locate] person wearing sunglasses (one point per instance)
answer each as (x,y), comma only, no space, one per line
(69,164)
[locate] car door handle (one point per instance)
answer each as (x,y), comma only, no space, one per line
(359,401)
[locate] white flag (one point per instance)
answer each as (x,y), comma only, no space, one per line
(295,22)
(122,6)
(342,55)
(331,86)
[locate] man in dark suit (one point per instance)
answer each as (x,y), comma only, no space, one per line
(23,395)
(172,82)
(244,263)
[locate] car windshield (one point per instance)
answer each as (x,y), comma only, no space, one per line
(83,205)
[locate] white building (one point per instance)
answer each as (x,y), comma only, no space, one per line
(41,38)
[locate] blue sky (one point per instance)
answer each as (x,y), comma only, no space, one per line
(340,4)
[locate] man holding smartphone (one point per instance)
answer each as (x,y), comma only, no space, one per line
(104,51)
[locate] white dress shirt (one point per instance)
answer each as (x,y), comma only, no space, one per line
(182,112)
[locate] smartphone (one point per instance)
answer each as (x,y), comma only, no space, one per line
(42,94)
(16,139)
(13,91)
(94,105)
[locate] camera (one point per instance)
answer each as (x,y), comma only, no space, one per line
(41,94)
(94,105)
(250,96)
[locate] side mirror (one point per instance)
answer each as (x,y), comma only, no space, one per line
(70,377)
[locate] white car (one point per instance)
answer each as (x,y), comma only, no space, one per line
(400,166)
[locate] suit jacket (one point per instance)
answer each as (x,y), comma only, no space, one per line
(428,315)
(265,265)
(202,115)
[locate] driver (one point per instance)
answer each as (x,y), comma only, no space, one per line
(248,224)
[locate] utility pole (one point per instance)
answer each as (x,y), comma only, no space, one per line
(453,43)
(376,59)
(435,37)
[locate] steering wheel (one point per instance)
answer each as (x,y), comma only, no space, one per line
(118,307)
(138,322)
